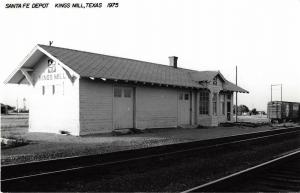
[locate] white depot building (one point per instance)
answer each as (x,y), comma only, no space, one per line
(86,93)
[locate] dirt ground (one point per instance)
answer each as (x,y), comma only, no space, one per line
(253,118)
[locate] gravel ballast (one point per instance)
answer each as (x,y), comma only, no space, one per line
(173,173)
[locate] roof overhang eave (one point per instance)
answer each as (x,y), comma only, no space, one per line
(17,75)
(146,82)
(240,91)
(11,78)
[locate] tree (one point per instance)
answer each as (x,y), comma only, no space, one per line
(244,109)
(241,109)
(5,108)
(254,112)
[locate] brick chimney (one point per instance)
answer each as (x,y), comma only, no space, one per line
(173,61)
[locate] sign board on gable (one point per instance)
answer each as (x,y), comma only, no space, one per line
(52,72)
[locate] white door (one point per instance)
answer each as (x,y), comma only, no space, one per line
(184,106)
(123,107)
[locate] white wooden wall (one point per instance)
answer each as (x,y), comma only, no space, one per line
(96,107)
(156,107)
(85,106)
(52,113)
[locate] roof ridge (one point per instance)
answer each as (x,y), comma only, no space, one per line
(136,60)
(134,69)
(117,57)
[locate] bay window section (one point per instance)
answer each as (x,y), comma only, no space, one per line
(222,104)
(203,102)
(214,102)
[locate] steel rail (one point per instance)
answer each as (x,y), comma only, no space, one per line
(251,137)
(210,186)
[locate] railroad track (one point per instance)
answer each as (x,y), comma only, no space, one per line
(17,175)
(281,174)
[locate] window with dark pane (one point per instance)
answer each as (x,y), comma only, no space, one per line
(203,102)
(228,96)
(222,104)
(181,96)
(117,92)
(127,92)
(215,81)
(214,101)
(186,96)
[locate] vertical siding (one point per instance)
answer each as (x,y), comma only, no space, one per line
(53,113)
(156,107)
(195,108)
(96,106)
(231,109)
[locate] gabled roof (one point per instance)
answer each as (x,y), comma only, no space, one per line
(86,64)
(229,86)
(206,76)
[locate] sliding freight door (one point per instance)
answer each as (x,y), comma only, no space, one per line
(184,107)
(123,107)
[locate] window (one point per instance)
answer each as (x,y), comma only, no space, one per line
(117,92)
(53,89)
(214,101)
(203,102)
(229,96)
(186,96)
(215,81)
(127,92)
(181,96)
(222,104)
(48,90)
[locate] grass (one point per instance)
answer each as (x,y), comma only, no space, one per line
(253,119)
(11,121)
(13,141)
(14,125)
(13,128)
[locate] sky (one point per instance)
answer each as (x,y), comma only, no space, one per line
(260,37)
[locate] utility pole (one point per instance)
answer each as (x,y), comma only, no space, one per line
(271,92)
(236,96)
(17,105)
(281,92)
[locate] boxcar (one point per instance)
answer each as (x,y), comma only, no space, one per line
(282,111)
